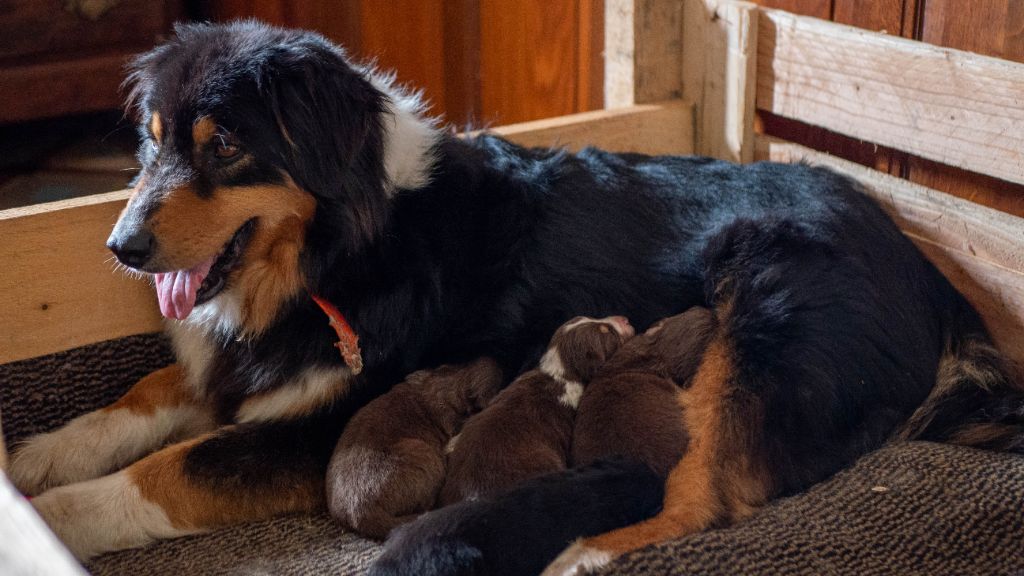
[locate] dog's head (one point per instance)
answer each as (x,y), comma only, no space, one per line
(266,156)
(582,345)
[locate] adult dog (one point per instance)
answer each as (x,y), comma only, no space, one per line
(274,170)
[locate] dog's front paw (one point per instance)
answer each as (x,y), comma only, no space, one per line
(101,515)
(577,560)
(85,448)
(41,463)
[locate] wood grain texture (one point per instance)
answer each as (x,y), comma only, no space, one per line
(658,45)
(619,54)
(816,8)
(979,249)
(949,106)
(528,59)
(721,53)
(59,289)
(408,36)
(990,27)
(648,128)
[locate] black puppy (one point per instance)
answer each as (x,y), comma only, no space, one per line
(518,532)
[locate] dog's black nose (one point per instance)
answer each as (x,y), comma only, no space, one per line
(133,250)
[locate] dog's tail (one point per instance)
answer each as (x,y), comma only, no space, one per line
(978,398)
(519,532)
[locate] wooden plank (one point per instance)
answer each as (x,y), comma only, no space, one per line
(721,55)
(979,249)
(59,290)
(643,51)
(949,106)
(619,69)
(648,128)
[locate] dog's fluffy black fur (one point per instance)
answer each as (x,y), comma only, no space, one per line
(537,520)
(838,323)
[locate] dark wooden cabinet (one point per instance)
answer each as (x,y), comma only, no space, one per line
(61,57)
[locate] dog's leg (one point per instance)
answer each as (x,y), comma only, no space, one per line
(236,474)
(158,409)
(713,482)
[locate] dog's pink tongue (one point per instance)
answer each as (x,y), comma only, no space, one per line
(176,290)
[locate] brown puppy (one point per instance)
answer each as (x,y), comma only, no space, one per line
(390,460)
(631,408)
(527,430)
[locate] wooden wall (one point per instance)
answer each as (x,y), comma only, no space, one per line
(486,61)
(989,27)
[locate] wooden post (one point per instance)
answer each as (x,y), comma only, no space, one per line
(703,51)
(643,51)
(720,75)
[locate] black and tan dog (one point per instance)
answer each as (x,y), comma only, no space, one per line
(526,431)
(390,461)
(274,170)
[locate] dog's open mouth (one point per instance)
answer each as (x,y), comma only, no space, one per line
(179,291)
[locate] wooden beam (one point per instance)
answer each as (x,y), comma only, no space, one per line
(953,107)
(649,128)
(59,289)
(979,249)
(720,57)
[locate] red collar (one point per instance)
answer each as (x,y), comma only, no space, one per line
(348,343)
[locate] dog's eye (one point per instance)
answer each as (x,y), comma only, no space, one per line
(226,150)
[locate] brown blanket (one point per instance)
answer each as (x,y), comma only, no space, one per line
(914,508)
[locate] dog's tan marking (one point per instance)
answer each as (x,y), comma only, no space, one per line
(190,229)
(715,479)
(159,408)
(191,504)
(156,127)
(312,390)
(161,389)
(202,131)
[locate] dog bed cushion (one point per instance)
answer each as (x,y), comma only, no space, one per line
(913,508)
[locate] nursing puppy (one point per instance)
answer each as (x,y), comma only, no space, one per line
(516,533)
(390,460)
(527,430)
(632,406)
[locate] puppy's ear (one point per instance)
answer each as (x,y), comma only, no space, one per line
(329,118)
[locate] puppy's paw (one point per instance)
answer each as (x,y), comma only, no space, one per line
(577,560)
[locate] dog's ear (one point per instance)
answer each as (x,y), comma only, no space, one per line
(329,118)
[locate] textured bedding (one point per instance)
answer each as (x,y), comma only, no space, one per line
(914,508)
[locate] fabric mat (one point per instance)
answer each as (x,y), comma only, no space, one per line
(908,509)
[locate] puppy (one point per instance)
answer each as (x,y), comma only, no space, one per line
(390,460)
(527,430)
(518,532)
(632,406)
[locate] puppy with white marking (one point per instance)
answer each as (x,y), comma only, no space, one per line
(633,407)
(527,430)
(390,460)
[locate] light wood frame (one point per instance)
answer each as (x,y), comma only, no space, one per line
(686,77)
